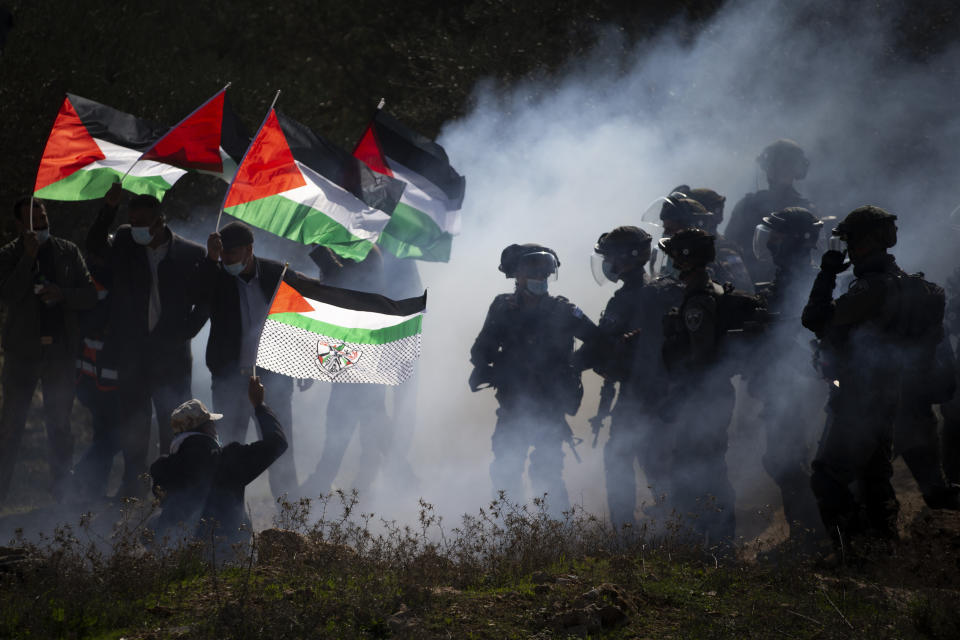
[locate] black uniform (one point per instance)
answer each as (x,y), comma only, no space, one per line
(693,354)
(636,427)
(951,409)
(748,213)
(530,348)
(868,341)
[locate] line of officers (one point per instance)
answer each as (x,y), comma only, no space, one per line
(669,342)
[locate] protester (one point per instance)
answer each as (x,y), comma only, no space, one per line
(43,283)
(149,270)
(198,471)
(239,291)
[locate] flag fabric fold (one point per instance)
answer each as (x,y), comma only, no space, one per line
(212,140)
(427,217)
(92,146)
(297,185)
(325,333)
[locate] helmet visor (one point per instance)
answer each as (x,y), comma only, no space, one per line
(651,214)
(602,269)
(762,235)
(540,265)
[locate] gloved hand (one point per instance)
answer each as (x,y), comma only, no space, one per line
(833,262)
(480,376)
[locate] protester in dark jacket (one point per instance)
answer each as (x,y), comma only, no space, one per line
(150,272)
(198,471)
(239,291)
(43,283)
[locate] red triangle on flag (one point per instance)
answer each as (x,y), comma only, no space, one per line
(288,300)
(369,152)
(267,169)
(195,142)
(69,148)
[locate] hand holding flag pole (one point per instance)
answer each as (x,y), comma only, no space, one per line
(269,111)
(286,265)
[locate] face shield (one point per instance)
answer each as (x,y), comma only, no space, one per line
(602,269)
(766,242)
(540,265)
(651,215)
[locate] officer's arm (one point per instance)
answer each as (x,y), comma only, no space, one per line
(16,275)
(819,309)
(863,301)
(700,319)
(79,294)
(485,347)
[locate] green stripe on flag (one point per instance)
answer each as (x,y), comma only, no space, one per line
(93,184)
(386,335)
(298,222)
(411,233)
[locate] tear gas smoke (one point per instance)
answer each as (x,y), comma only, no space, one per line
(559,162)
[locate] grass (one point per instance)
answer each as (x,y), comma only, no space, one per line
(505,572)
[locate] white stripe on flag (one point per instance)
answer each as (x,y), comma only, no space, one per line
(360,219)
(423,195)
(121,159)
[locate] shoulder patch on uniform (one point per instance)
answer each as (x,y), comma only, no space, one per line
(577,313)
(693,318)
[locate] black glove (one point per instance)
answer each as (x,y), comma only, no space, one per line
(480,376)
(833,262)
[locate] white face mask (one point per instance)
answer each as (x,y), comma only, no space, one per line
(141,235)
(537,287)
(43,235)
(234,269)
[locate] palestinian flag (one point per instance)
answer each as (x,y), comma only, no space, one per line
(426,219)
(210,140)
(325,333)
(297,185)
(91,146)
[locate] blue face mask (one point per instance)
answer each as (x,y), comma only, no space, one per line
(43,235)
(537,287)
(141,235)
(234,269)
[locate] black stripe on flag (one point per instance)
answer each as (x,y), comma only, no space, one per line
(124,129)
(234,137)
(419,154)
(336,165)
(358,300)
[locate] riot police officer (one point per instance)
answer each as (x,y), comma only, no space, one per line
(525,351)
(626,352)
(886,327)
(783,162)
(782,377)
(692,353)
(729,265)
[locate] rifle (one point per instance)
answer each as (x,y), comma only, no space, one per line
(607,393)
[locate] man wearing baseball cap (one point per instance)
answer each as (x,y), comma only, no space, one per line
(199,477)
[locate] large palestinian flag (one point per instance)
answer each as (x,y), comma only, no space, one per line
(295,184)
(212,140)
(91,146)
(426,219)
(325,333)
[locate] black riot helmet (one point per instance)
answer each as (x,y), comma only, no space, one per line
(866,222)
(680,212)
(787,232)
(690,248)
(712,201)
(618,252)
(784,156)
(530,260)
